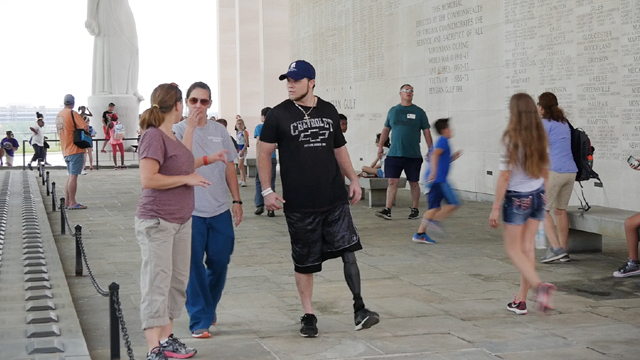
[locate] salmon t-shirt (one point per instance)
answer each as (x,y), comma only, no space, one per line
(64,124)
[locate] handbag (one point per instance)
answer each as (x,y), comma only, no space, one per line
(80,138)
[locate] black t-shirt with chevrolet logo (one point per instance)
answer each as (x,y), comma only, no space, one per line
(311,178)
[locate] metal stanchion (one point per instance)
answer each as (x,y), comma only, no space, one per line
(78,229)
(53,196)
(47,181)
(63,229)
(114,323)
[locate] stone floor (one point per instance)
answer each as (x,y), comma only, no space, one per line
(443,301)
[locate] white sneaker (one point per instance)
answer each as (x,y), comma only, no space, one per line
(242,184)
(83,173)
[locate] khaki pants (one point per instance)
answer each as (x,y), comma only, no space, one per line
(166,254)
(559,191)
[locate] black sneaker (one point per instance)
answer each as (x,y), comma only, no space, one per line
(176,349)
(631,268)
(259,210)
(415,214)
(156,354)
(308,326)
(30,167)
(518,307)
(365,319)
(271,213)
(384,213)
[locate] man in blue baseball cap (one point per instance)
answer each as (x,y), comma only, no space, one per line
(313,157)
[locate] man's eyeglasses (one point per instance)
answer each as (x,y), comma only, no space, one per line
(407,90)
(204,102)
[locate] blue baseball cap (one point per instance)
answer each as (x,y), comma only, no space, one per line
(299,70)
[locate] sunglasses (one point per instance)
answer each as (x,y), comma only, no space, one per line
(407,90)
(204,102)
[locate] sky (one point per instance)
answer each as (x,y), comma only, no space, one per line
(46,52)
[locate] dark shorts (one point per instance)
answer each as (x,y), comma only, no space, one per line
(320,236)
(518,207)
(441,191)
(393,166)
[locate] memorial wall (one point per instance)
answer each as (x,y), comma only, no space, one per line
(465,58)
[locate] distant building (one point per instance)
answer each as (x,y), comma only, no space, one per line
(28,113)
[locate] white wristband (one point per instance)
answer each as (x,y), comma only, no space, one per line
(266,192)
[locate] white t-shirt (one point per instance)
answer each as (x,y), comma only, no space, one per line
(519,180)
(38,139)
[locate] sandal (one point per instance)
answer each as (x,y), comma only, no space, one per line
(76,207)
(91,168)
(123,167)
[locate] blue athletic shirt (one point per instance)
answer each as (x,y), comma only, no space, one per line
(257,132)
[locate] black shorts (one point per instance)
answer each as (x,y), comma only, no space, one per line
(393,166)
(320,236)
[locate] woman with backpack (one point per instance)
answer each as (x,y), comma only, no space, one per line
(521,184)
(562,175)
(163,220)
(116,134)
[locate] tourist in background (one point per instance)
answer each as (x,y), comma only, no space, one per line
(562,175)
(106,119)
(242,136)
(37,140)
(89,150)
(520,194)
(405,122)
(259,199)
(344,123)
(631,226)
(9,144)
(66,122)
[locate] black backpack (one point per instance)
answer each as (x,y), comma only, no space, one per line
(582,152)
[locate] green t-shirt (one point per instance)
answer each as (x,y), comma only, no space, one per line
(406,123)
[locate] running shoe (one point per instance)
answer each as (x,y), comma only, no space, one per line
(259,210)
(201,334)
(365,319)
(308,326)
(271,213)
(156,354)
(415,214)
(435,226)
(422,239)
(553,254)
(242,184)
(518,307)
(631,268)
(566,258)
(384,213)
(543,296)
(30,167)
(176,349)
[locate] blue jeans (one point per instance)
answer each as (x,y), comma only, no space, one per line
(214,237)
(518,207)
(259,200)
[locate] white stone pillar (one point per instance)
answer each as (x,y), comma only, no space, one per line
(227,70)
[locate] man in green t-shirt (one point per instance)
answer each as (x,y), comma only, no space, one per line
(407,121)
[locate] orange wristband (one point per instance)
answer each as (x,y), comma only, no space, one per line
(204,160)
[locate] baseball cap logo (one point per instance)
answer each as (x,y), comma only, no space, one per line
(292,67)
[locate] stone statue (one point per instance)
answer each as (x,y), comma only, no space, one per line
(115,48)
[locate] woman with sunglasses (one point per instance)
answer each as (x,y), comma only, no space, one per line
(242,138)
(163,220)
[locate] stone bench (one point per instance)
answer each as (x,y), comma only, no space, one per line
(587,228)
(377,189)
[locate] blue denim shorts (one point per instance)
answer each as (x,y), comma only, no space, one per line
(518,207)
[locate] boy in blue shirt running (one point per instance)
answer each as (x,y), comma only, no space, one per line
(440,162)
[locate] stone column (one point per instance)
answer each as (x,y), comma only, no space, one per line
(227,70)
(275,49)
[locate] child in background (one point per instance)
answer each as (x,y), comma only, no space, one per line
(440,160)
(377,167)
